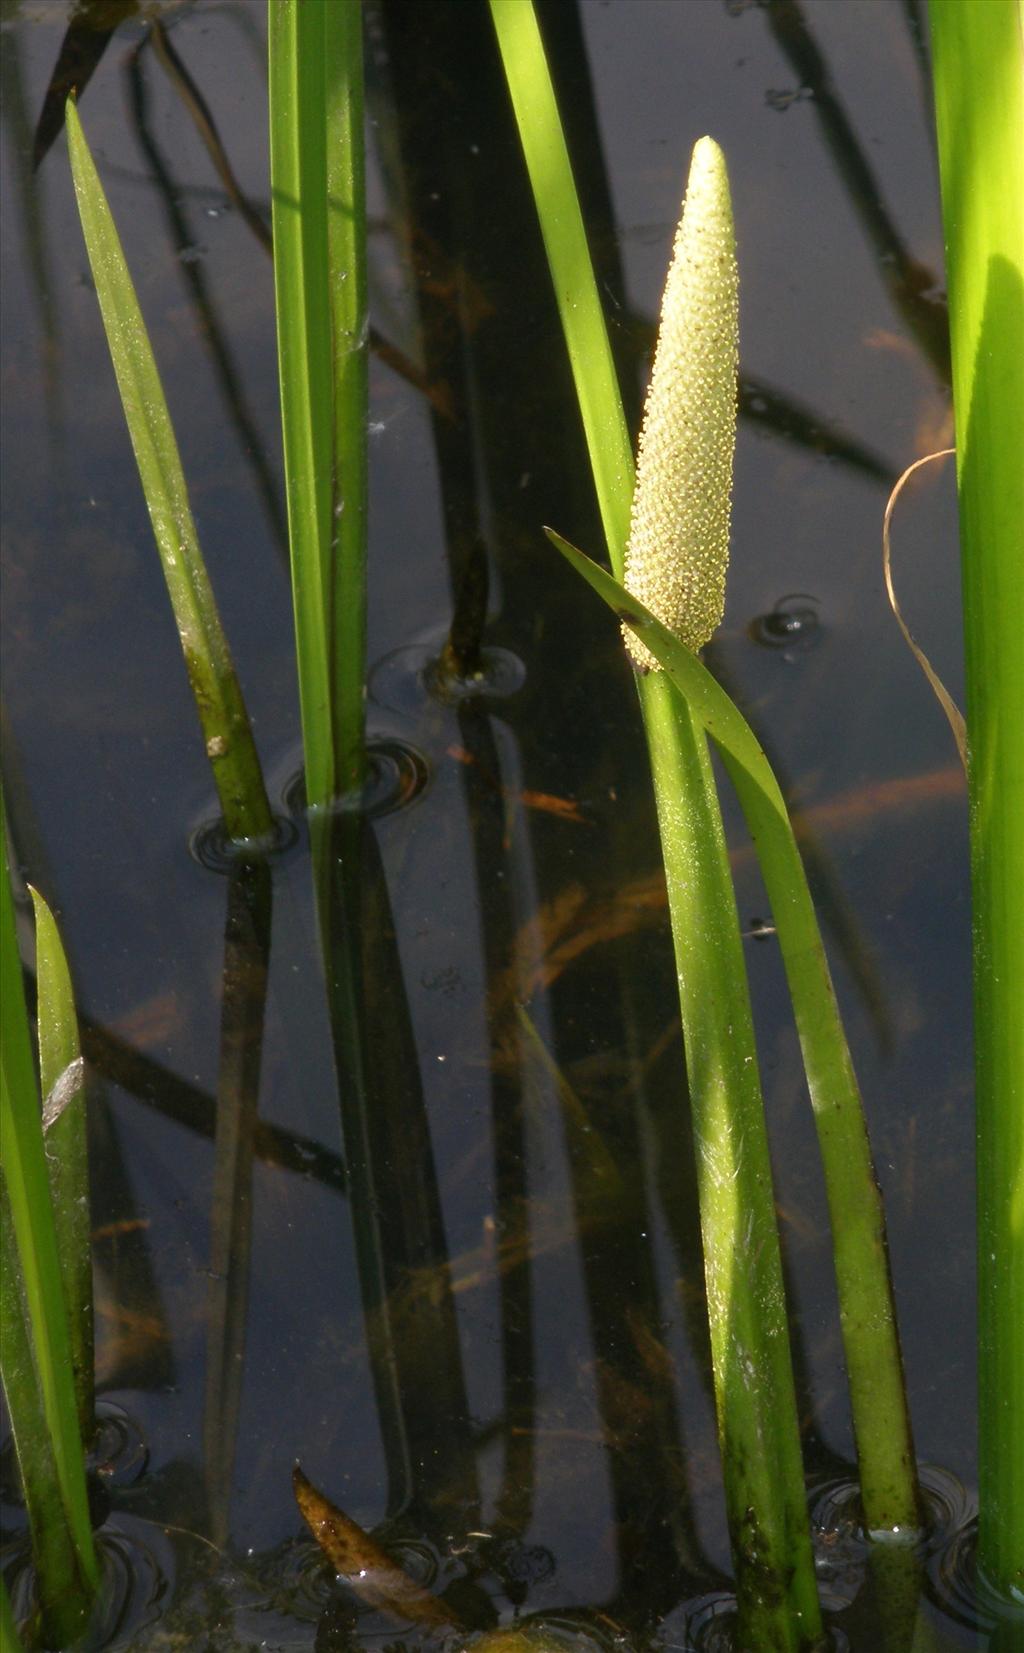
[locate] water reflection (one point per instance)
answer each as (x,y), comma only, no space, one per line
(243,1008)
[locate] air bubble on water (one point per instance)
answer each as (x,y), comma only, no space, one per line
(792,623)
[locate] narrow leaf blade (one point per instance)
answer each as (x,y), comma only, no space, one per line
(229,743)
(27,1199)
(878,1391)
(62,1076)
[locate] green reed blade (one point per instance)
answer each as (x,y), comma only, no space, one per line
(758,1428)
(565,242)
(751,1360)
(10,1641)
(978,75)
(37,1363)
(319,210)
(222,714)
(62,1080)
(867,1310)
(64,1595)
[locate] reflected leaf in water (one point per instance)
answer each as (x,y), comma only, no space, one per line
(90,30)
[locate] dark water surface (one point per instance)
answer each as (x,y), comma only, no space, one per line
(474,1312)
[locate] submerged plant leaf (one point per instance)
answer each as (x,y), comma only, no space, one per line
(678,547)
(366,1568)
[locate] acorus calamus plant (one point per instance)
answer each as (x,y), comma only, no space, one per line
(677,554)
(683,704)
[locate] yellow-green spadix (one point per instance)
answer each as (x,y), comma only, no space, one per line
(678,547)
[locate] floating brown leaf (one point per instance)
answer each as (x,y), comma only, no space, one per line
(367,1569)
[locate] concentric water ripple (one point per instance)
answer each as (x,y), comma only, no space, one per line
(403,680)
(210,845)
(397,774)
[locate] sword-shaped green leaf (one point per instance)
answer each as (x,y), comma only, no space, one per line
(218,697)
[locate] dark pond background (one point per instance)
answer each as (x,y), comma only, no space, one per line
(518,1398)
